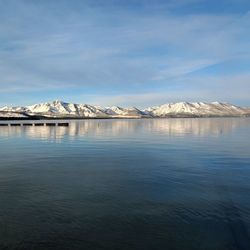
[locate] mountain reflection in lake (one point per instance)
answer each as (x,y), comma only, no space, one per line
(123,127)
(126,184)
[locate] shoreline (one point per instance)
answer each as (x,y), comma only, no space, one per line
(113,118)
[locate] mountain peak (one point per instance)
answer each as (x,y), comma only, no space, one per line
(57,101)
(58,108)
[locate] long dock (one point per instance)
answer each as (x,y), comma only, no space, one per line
(49,124)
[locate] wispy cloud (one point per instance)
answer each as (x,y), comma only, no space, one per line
(119,48)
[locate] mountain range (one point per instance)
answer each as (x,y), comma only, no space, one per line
(59,109)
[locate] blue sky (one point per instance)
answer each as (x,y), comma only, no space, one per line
(128,53)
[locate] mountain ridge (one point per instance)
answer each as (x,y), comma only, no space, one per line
(60,109)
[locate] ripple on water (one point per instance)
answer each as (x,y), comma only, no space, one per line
(126,184)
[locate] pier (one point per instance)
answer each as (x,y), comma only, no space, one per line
(48,124)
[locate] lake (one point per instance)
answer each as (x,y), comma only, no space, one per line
(126,184)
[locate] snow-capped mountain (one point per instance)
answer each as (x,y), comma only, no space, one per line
(62,109)
(59,109)
(118,111)
(196,109)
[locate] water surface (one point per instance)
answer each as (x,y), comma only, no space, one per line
(126,184)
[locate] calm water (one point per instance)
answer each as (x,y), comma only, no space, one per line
(126,184)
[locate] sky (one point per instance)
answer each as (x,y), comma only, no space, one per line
(122,52)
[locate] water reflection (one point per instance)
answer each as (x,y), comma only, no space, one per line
(172,183)
(113,128)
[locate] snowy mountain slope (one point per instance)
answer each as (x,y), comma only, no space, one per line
(7,114)
(195,109)
(61,109)
(13,109)
(128,112)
